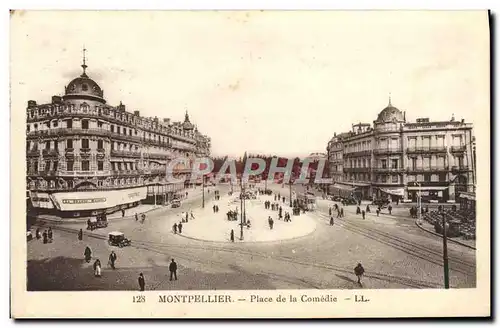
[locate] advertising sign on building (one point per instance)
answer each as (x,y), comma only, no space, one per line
(91,200)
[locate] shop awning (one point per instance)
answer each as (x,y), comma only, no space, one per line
(394,191)
(342,190)
(427,188)
(468,195)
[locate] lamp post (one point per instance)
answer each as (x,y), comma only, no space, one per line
(241,207)
(203,192)
(445,254)
(290,186)
(419,203)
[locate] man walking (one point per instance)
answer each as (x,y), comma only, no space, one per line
(141,281)
(180,227)
(232,235)
(173,270)
(175,228)
(359,271)
(331,220)
(112,259)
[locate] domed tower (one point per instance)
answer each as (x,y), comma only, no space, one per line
(84,87)
(389,118)
(187,125)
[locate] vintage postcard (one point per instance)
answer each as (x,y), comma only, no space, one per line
(250,164)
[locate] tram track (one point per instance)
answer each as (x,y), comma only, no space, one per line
(409,247)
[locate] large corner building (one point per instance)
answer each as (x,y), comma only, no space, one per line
(86,157)
(397,159)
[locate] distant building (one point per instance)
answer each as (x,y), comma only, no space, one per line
(396,158)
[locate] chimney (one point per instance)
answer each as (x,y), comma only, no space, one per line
(31,103)
(56,99)
(136,113)
(156,119)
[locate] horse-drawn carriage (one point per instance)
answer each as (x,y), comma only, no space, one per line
(232,215)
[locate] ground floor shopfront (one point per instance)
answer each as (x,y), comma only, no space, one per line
(399,193)
(86,203)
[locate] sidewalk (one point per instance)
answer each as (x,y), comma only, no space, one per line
(211,226)
(427,227)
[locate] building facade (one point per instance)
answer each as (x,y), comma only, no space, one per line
(86,157)
(398,159)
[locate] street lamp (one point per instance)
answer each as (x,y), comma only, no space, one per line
(445,254)
(203,192)
(242,200)
(419,203)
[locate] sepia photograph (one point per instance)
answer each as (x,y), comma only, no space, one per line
(267,162)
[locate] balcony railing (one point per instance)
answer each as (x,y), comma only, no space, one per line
(388,169)
(380,151)
(81,173)
(457,148)
(50,152)
(433,168)
(33,153)
(357,169)
(358,153)
(426,150)
(460,168)
(123,153)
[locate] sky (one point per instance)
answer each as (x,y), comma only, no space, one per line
(264,82)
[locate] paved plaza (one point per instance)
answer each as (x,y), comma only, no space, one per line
(305,253)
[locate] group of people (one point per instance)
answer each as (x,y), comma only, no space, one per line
(215,208)
(217,195)
(414,211)
(46,236)
(340,211)
(143,217)
(97,266)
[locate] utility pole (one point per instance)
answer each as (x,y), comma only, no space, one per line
(445,255)
(241,206)
(419,203)
(290,186)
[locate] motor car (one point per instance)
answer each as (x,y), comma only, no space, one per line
(117,238)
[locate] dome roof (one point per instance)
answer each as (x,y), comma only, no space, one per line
(390,113)
(84,85)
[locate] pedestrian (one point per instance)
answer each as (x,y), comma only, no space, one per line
(338,213)
(123,212)
(283,199)
(112,259)
(329,211)
(390,209)
(37,233)
(367,208)
(88,224)
(331,220)
(44,236)
(192,216)
(49,234)
(88,254)
(80,234)
(173,270)
(174,228)
(359,271)
(214,208)
(342,212)
(97,268)
(141,281)
(187,216)
(136,217)
(358,210)
(378,212)
(232,235)
(180,227)
(363,214)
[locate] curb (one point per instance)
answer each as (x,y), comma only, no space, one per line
(441,236)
